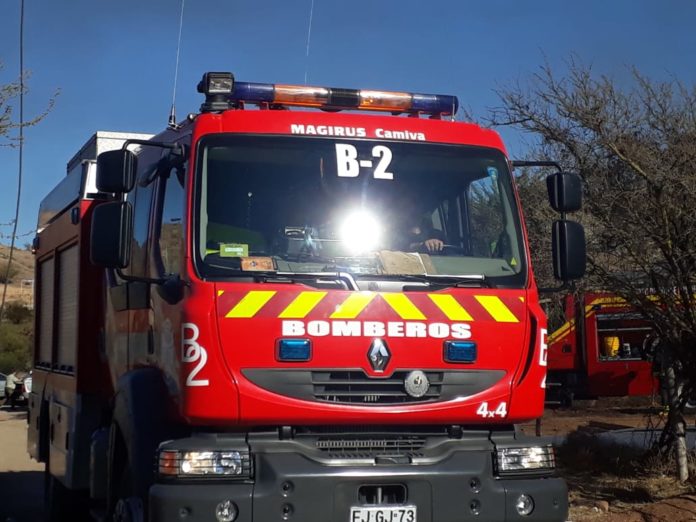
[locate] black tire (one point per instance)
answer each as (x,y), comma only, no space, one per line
(567,398)
(128,507)
(62,504)
(123,504)
(690,405)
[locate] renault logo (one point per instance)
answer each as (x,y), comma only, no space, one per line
(378,355)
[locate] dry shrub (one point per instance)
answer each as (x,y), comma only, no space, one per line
(584,451)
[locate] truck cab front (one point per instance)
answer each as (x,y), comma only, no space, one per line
(344,314)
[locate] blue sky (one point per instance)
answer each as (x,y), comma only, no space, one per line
(113,62)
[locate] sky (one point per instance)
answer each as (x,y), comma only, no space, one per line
(110,64)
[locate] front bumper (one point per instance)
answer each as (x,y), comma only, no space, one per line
(290,486)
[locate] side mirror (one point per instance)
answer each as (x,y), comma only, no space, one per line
(568,245)
(565,191)
(116,171)
(111,234)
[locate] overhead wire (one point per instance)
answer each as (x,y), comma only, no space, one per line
(172,113)
(309,35)
(21,157)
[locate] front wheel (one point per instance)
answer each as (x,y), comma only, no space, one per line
(123,504)
(690,405)
(129,509)
(62,504)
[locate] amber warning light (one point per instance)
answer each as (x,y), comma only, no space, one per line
(223,92)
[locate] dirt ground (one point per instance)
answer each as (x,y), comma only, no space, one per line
(597,496)
(594,496)
(21,479)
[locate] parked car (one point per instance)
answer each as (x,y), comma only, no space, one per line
(27,386)
(3,383)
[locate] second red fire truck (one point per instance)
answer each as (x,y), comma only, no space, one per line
(282,314)
(604,348)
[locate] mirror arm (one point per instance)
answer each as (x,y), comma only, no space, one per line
(149,280)
(160,144)
(170,288)
(522,163)
(565,286)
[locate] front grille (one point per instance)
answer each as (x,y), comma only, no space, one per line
(354,386)
(407,445)
(372,442)
(357,387)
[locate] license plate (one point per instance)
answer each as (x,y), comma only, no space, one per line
(383,514)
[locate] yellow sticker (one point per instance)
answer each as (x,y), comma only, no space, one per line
(234,250)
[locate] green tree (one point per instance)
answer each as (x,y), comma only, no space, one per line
(15,346)
(7,272)
(18,313)
(634,149)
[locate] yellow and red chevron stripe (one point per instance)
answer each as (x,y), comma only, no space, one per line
(354,305)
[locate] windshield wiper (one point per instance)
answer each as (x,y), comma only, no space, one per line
(344,279)
(442,280)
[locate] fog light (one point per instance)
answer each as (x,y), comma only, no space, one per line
(524,505)
(226,511)
(208,464)
(525,459)
(211,463)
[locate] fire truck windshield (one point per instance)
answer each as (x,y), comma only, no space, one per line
(369,208)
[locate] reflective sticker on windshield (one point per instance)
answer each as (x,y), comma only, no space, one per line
(257,263)
(234,250)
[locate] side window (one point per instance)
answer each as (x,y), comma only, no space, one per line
(141,200)
(170,233)
(437,216)
(486,226)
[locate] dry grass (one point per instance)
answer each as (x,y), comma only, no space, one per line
(627,478)
(23,268)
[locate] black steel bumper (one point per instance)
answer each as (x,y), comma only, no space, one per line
(292,487)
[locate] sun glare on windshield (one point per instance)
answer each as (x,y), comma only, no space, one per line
(361,232)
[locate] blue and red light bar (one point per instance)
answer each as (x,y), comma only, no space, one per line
(221,87)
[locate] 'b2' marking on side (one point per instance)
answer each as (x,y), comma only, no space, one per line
(192,352)
(543,347)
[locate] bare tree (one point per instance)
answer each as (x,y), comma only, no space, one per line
(8,126)
(634,149)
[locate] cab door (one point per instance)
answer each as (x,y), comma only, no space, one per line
(126,324)
(165,259)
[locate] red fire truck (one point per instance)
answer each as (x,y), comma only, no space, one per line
(277,314)
(601,350)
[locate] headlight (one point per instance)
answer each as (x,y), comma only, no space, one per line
(530,458)
(182,464)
